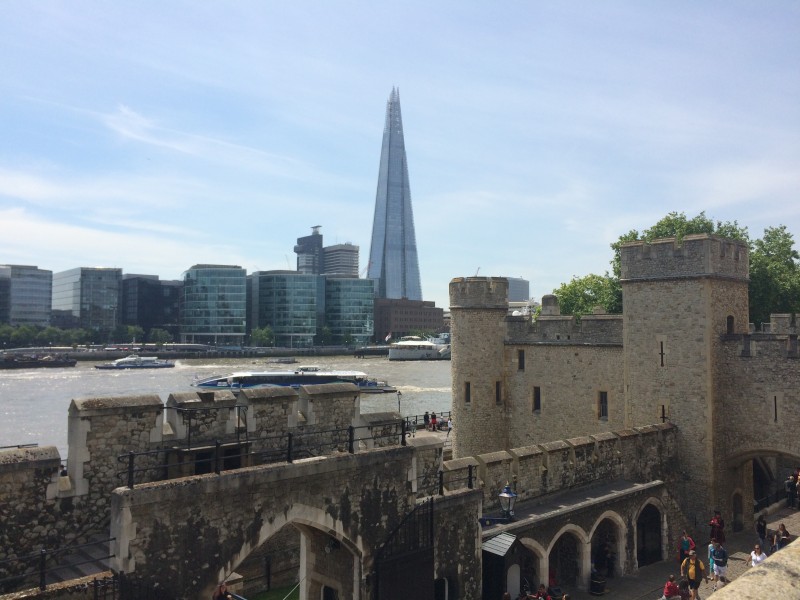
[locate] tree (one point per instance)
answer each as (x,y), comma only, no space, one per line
(262,336)
(324,336)
(582,294)
(159,336)
(774,275)
(135,333)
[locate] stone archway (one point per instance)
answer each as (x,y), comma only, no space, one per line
(608,537)
(568,558)
(649,539)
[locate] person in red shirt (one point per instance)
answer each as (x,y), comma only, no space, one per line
(671,590)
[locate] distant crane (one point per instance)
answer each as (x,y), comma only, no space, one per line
(476,272)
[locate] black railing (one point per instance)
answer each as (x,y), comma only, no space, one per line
(172,462)
(36,566)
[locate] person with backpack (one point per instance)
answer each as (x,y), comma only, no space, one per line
(720,557)
(694,570)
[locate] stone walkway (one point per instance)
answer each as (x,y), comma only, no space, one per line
(648,583)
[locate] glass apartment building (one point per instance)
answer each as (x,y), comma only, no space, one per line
(213,306)
(90,295)
(26,295)
(292,304)
(349,309)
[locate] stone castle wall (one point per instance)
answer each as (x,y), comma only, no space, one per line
(637,455)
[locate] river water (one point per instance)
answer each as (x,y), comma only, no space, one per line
(34,403)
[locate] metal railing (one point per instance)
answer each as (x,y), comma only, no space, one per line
(173,462)
(38,565)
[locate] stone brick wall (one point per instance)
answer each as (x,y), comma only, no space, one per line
(639,455)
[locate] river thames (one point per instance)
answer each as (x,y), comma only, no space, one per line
(34,403)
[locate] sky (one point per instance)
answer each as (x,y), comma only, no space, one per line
(153,136)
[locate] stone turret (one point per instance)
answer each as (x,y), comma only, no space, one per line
(478,309)
(679,299)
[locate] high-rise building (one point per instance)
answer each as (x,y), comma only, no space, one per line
(519,289)
(213,310)
(150,302)
(341,260)
(393,253)
(26,295)
(310,259)
(88,297)
(292,304)
(349,310)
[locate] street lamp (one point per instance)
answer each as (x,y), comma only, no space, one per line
(507,499)
(398,400)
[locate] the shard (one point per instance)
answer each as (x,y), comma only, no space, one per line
(393,253)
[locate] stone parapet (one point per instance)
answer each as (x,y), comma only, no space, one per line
(699,255)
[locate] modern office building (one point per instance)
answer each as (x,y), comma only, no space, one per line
(519,290)
(213,306)
(341,260)
(88,297)
(151,303)
(310,258)
(349,309)
(393,253)
(404,317)
(292,304)
(26,295)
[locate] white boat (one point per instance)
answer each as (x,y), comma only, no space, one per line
(412,347)
(302,375)
(137,362)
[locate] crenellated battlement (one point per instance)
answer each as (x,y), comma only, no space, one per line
(479,292)
(640,454)
(699,255)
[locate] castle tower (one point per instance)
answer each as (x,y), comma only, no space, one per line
(393,253)
(679,300)
(478,308)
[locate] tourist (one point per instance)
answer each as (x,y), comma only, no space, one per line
(671,591)
(757,556)
(720,556)
(790,485)
(433,421)
(694,570)
(426,420)
(686,544)
(782,537)
(506,596)
(541,593)
(717,525)
(761,531)
(683,586)
(711,545)
(222,592)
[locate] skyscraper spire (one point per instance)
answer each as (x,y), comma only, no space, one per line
(393,253)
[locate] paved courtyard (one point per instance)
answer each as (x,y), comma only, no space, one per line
(648,583)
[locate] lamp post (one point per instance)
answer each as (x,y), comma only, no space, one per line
(507,500)
(398,401)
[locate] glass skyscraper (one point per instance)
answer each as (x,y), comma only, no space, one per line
(214,307)
(90,296)
(393,254)
(26,295)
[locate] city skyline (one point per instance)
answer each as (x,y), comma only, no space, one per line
(393,261)
(155,138)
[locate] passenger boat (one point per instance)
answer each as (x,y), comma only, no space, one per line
(137,362)
(33,361)
(413,347)
(302,375)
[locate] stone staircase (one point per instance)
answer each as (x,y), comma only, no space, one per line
(82,561)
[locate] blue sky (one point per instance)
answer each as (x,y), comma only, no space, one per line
(152,136)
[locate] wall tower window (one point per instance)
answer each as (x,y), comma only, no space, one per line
(537,399)
(729,325)
(498,393)
(602,406)
(467,393)
(521,360)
